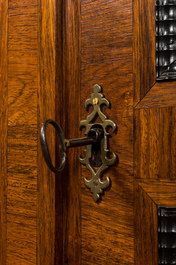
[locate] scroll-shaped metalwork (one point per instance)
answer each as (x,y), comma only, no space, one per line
(166,39)
(97,165)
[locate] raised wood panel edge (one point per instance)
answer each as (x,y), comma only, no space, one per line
(162,94)
(3,125)
(145,228)
(150,195)
(144,66)
(161,191)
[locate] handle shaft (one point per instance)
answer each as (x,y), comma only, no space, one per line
(94,136)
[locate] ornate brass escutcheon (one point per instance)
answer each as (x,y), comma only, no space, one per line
(96,185)
(96,152)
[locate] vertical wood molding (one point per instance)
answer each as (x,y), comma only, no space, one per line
(46,109)
(144,65)
(145,228)
(71,118)
(59,104)
(3,126)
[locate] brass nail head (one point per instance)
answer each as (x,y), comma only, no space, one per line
(95,101)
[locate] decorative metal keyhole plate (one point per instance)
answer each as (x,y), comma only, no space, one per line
(99,164)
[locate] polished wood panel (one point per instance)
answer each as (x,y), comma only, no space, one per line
(46,110)
(22,195)
(22,62)
(144,65)
(155,138)
(106,59)
(145,228)
(107,227)
(22,133)
(162,94)
(3,125)
(70,117)
(161,191)
(57,51)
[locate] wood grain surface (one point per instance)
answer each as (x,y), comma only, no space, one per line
(52,53)
(46,110)
(106,59)
(149,195)
(162,94)
(59,105)
(22,195)
(160,191)
(3,125)
(144,63)
(22,133)
(155,138)
(22,62)
(70,117)
(145,228)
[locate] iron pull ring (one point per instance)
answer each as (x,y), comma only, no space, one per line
(94,136)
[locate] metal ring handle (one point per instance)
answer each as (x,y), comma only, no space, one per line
(45,150)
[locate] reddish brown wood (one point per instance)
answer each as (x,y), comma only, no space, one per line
(22,195)
(155,137)
(144,65)
(162,94)
(160,191)
(57,51)
(46,109)
(22,140)
(106,59)
(22,62)
(59,105)
(145,228)
(3,126)
(71,117)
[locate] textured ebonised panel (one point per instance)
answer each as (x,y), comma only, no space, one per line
(167,235)
(166,39)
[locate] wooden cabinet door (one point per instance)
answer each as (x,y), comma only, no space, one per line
(52,53)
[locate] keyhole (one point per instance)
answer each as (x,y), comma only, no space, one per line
(95,160)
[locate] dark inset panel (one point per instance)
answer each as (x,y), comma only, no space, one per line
(165,39)
(166,235)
